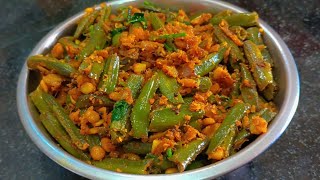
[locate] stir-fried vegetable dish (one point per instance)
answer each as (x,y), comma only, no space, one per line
(150,90)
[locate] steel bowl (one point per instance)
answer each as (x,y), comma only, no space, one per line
(285,71)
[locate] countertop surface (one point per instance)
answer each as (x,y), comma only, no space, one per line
(294,156)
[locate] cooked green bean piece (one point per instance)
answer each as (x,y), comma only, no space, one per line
(166,118)
(156,21)
(74,132)
(151,6)
(59,134)
(134,83)
(50,63)
(187,153)
(169,87)
(170,46)
(248,88)
(137,147)
(93,140)
(261,69)
(87,100)
(142,107)
(267,114)
(197,164)
(255,36)
(244,134)
(236,85)
(216,19)
(38,101)
(124,14)
(54,127)
(237,19)
(105,14)
(195,123)
(227,144)
(116,40)
(124,165)
(161,163)
(68,41)
(84,23)
(110,74)
(235,114)
(97,40)
(235,52)
(210,62)
(205,84)
(96,70)
(241,138)
(270,91)
(240,32)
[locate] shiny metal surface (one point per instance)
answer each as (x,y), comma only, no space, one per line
(287,100)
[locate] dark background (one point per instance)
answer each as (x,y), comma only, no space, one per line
(294,156)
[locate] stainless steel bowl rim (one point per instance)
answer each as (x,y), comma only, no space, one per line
(251,151)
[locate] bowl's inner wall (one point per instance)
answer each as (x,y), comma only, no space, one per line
(67,28)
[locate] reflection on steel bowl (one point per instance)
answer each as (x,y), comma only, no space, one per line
(105,101)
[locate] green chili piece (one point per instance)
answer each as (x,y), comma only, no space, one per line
(142,107)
